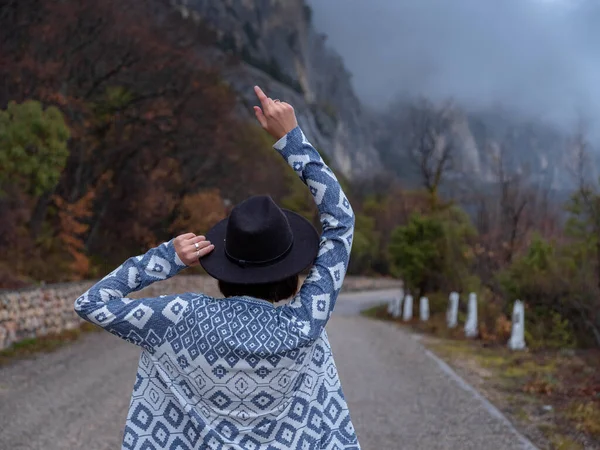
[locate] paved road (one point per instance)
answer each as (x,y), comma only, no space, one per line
(400,396)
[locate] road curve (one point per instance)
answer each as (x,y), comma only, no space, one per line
(400,396)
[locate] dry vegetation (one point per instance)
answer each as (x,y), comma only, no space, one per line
(553,396)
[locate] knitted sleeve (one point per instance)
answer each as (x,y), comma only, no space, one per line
(312,307)
(144,322)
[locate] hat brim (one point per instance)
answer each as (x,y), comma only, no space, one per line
(303,253)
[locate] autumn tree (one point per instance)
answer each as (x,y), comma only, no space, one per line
(508,209)
(152,122)
(72,226)
(199,212)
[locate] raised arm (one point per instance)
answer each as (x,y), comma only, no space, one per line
(144,322)
(313,305)
(315,301)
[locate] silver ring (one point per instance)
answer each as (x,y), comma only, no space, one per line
(198,254)
(277,100)
(197,246)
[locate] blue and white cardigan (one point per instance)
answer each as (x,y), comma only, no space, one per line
(236,373)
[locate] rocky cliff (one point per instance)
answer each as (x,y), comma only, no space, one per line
(280,49)
(537,150)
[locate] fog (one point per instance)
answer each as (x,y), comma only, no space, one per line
(540,58)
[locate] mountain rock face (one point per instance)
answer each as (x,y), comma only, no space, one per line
(543,153)
(482,140)
(280,50)
(526,147)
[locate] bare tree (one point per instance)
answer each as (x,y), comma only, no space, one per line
(586,201)
(585,207)
(506,214)
(514,198)
(429,141)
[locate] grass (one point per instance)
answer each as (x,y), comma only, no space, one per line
(553,395)
(560,442)
(587,417)
(376,312)
(43,344)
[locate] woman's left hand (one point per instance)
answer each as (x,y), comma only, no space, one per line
(190,248)
(276,117)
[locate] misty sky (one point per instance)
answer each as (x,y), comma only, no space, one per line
(540,57)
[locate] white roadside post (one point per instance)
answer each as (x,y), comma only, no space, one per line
(471,323)
(452,313)
(517,335)
(424,309)
(408,308)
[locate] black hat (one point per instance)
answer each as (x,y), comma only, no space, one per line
(260,243)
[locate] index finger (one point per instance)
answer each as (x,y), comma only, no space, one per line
(261,96)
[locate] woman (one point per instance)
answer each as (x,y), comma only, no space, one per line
(240,373)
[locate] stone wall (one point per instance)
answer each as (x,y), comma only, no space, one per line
(34,312)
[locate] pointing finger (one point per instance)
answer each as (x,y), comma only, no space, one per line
(261,96)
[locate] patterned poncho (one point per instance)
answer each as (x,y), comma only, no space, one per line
(236,373)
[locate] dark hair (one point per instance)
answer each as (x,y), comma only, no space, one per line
(272,292)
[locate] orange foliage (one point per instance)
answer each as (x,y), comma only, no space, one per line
(500,333)
(154,202)
(539,385)
(503,328)
(199,212)
(72,227)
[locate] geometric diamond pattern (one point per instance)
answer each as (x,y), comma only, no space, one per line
(161,433)
(236,373)
(320,306)
(318,190)
(297,162)
(139,316)
(286,434)
(142,417)
(333,410)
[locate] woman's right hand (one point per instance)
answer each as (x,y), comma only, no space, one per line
(190,248)
(277,117)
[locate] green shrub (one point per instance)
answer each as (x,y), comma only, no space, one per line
(365,245)
(438,302)
(546,279)
(431,253)
(33,146)
(548,330)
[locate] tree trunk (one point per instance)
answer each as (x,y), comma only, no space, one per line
(39,214)
(598,263)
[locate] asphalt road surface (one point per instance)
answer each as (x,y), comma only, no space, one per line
(400,395)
